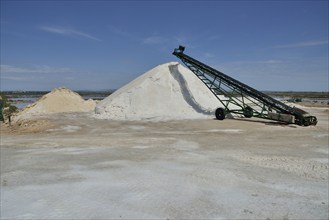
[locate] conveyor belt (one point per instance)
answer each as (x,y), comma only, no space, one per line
(237,97)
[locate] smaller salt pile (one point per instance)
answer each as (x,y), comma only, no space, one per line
(58,100)
(167,92)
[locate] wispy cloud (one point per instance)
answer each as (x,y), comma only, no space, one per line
(213,37)
(68,32)
(262,62)
(16,78)
(256,62)
(7,69)
(208,55)
(119,31)
(155,40)
(304,44)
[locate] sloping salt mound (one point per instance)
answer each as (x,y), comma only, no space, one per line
(58,100)
(168,91)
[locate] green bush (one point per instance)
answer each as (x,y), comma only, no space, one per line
(1,115)
(4,103)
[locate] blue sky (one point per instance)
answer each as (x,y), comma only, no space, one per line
(101,45)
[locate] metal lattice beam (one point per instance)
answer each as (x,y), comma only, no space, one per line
(239,98)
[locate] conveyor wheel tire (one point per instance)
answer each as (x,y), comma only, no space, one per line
(247,112)
(220,113)
(314,120)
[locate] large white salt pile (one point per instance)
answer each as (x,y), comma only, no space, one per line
(168,91)
(58,100)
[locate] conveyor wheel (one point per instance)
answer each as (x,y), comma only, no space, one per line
(247,112)
(220,113)
(312,120)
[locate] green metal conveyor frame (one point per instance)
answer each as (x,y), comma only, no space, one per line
(239,98)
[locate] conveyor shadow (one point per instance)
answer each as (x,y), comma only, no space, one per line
(188,96)
(270,123)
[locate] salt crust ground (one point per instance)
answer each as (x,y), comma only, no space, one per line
(85,168)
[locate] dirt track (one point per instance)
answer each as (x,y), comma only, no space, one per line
(79,167)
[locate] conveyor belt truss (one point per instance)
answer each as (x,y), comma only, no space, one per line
(238,98)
